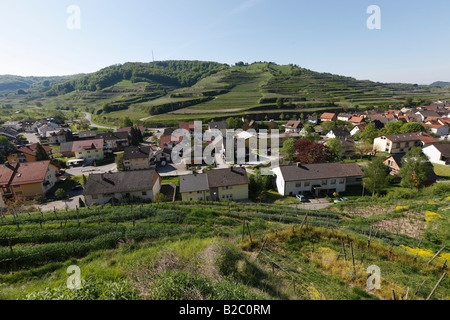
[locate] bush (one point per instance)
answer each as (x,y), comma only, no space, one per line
(60,193)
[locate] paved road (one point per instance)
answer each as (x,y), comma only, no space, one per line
(88,117)
(314,204)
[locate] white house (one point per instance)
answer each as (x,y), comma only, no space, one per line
(437,128)
(438,153)
(340,133)
(317,178)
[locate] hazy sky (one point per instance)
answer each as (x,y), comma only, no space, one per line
(413,44)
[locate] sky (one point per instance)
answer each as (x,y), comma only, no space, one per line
(37,37)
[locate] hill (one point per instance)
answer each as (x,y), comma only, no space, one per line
(440,84)
(165,92)
(10,84)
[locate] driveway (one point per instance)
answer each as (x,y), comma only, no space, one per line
(31,137)
(314,204)
(79,171)
(71,203)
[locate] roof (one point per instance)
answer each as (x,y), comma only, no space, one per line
(128,129)
(293,124)
(119,182)
(87,134)
(218,125)
(317,171)
(443,148)
(356,119)
(86,145)
(227,177)
(327,115)
(402,137)
(31,149)
(66,147)
(340,132)
(123,135)
(425,137)
(137,152)
(23,173)
(186,125)
(194,182)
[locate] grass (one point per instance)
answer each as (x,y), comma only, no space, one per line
(442,171)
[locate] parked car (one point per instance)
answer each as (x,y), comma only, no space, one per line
(77,187)
(337,200)
(301,197)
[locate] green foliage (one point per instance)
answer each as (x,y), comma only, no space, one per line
(60,193)
(91,289)
(334,145)
(376,176)
(288,148)
(416,168)
(235,123)
(410,127)
(119,162)
(40,153)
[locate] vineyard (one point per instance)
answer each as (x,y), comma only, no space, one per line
(206,250)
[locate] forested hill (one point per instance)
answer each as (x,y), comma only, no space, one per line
(19,84)
(169,73)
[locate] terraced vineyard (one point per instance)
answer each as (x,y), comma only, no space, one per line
(208,250)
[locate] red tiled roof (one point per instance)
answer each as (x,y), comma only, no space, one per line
(87,144)
(186,125)
(327,115)
(31,149)
(128,129)
(24,173)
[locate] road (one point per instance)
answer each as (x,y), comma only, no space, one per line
(88,117)
(78,171)
(31,137)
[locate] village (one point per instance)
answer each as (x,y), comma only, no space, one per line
(48,165)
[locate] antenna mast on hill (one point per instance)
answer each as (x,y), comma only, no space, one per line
(153,58)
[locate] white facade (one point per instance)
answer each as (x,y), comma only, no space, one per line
(434,155)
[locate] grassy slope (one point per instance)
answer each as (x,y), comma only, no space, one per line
(209,250)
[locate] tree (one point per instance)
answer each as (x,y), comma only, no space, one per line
(84,179)
(41,154)
(235,123)
(413,127)
(127,122)
(334,145)
(83,125)
(159,197)
(415,168)
(60,193)
(119,162)
(280,103)
(393,127)
(288,148)
(369,134)
(363,148)
(136,136)
(282,116)
(311,152)
(69,136)
(375,176)
(81,203)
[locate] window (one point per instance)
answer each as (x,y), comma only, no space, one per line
(94,196)
(306,183)
(341,181)
(324,182)
(333,181)
(298,185)
(144,193)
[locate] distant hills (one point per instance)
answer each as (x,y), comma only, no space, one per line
(440,84)
(20,85)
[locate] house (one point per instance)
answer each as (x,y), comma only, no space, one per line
(313,119)
(339,133)
(128,129)
(394,162)
(318,178)
(103,188)
(45,128)
(85,135)
(27,180)
(344,116)
(86,149)
(219,125)
(138,158)
(16,125)
(189,126)
(328,116)
(427,113)
(57,136)
(29,125)
(348,147)
(293,126)
(26,154)
(169,141)
(9,133)
(396,143)
(226,184)
(437,128)
(114,141)
(357,128)
(438,153)
(356,120)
